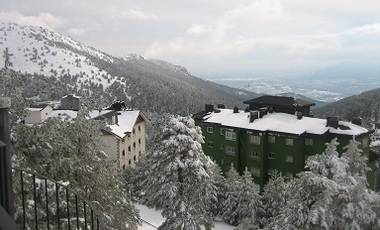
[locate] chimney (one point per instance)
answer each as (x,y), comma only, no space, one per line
(221,106)
(356,121)
(236,109)
(299,115)
(263,112)
(332,122)
(209,108)
(117,117)
(253,115)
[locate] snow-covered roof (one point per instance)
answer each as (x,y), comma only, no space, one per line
(280,122)
(71,95)
(96,113)
(61,113)
(71,114)
(126,120)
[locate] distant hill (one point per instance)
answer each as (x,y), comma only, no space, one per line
(365,105)
(50,59)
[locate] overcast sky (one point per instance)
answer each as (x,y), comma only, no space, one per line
(217,37)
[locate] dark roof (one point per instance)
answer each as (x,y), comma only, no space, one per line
(39,105)
(278,100)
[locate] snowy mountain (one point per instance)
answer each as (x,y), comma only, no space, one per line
(50,59)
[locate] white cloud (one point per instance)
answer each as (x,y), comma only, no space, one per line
(139,15)
(198,29)
(222,35)
(42,19)
(271,31)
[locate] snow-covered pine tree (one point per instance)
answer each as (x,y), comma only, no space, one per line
(357,162)
(230,203)
(249,203)
(329,196)
(313,193)
(242,198)
(178,175)
(274,197)
(356,205)
(220,182)
(11,85)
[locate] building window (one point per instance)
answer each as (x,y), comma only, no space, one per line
(210,144)
(272,171)
(123,140)
(230,150)
(255,155)
(230,135)
(129,162)
(210,129)
(133,131)
(256,172)
(129,148)
(123,152)
(272,139)
(134,144)
(139,141)
(134,158)
(221,131)
(289,141)
(289,159)
(308,141)
(365,142)
(139,128)
(289,175)
(254,139)
(272,155)
(123,167)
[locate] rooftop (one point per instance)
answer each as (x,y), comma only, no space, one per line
(281,122)
(278,100)
(126,120)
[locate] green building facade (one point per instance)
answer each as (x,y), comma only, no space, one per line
(229,141)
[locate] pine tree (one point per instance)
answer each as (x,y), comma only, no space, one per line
(357,162)
(178,175)
(329,196)
(219,182)
(242,197)
(230,203)
(274,198)
(249,199)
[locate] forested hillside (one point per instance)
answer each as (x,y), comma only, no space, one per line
(365,105)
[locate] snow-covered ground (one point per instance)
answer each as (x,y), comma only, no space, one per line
(154,219)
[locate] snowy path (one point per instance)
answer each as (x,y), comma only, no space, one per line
(154,219)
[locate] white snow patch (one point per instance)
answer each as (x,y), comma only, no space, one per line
(154,217)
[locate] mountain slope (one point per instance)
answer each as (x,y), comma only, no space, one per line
(49,58)
(365,105)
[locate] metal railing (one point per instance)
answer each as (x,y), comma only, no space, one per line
(42,203)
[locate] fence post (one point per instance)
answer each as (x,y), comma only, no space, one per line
(6,192)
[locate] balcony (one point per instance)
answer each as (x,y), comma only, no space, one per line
(31,201)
